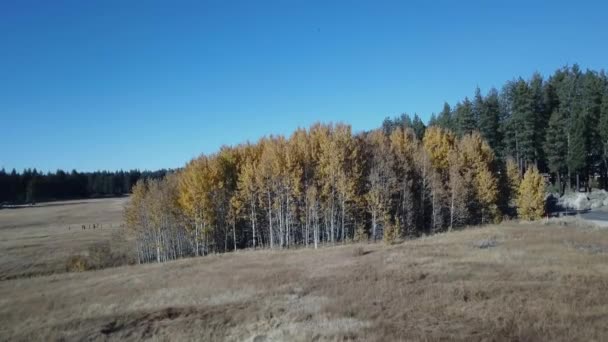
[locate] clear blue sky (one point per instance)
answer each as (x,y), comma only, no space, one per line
(150,84)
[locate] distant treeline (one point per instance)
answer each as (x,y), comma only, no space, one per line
(31,185)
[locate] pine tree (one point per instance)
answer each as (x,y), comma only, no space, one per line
(593,88)
(489,117)
(556,145)
(540,116)
(524,123)
(531,199)
(603,134)
(445,118)
(418,126)
(577,154)
(478,105)
(465,117)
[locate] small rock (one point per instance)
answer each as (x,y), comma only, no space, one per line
(487,243)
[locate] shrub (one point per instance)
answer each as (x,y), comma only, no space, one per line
(77,263)
(110,254)
(360,233)
(391,232)
(100,255)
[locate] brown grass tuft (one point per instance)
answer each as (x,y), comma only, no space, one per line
(76,263)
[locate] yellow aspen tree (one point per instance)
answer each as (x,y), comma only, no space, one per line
(531,199)
(136,217)
(476,151)
(157,216)
(292,182)
(327,174)
(194,186)
(513,179)
(487,194)
(301,166)
(380,181)
(248,191)
(235,211)
(346,173)
(404,144)
(437,143)
(460,189)
(270,182)
(135,211)
(478,157)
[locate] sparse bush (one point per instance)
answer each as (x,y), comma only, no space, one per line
(77,263)
(391,232)
(100,255)
(360,233)
(111,253)
(358,251)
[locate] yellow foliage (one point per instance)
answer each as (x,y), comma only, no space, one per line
(487,187)
(531,200)
(404,144)
(392,231)
(475,150)
(513,177)
(137,208)
(438,142)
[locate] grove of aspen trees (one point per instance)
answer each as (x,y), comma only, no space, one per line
(477,163)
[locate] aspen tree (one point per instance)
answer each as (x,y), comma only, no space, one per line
(513,179)
(381,180)
(194,198)
(531,199)
(478,157)
(403,146)
(437,143)
(460,189)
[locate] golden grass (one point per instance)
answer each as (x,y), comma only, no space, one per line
(516,282)
(41,239)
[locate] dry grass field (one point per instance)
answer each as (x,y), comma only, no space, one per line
(514,282)
(39,239)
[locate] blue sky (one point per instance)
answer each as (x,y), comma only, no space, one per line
(150,84)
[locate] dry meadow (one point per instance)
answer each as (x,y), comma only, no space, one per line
(515,282)
(37,240)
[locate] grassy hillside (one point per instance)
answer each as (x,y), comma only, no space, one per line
(507,282)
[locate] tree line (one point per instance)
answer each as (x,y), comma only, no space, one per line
(476,162)
(326,185)
(559,124)
(31,185)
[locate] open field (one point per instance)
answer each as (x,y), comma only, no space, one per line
(39,239)
(524,282)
